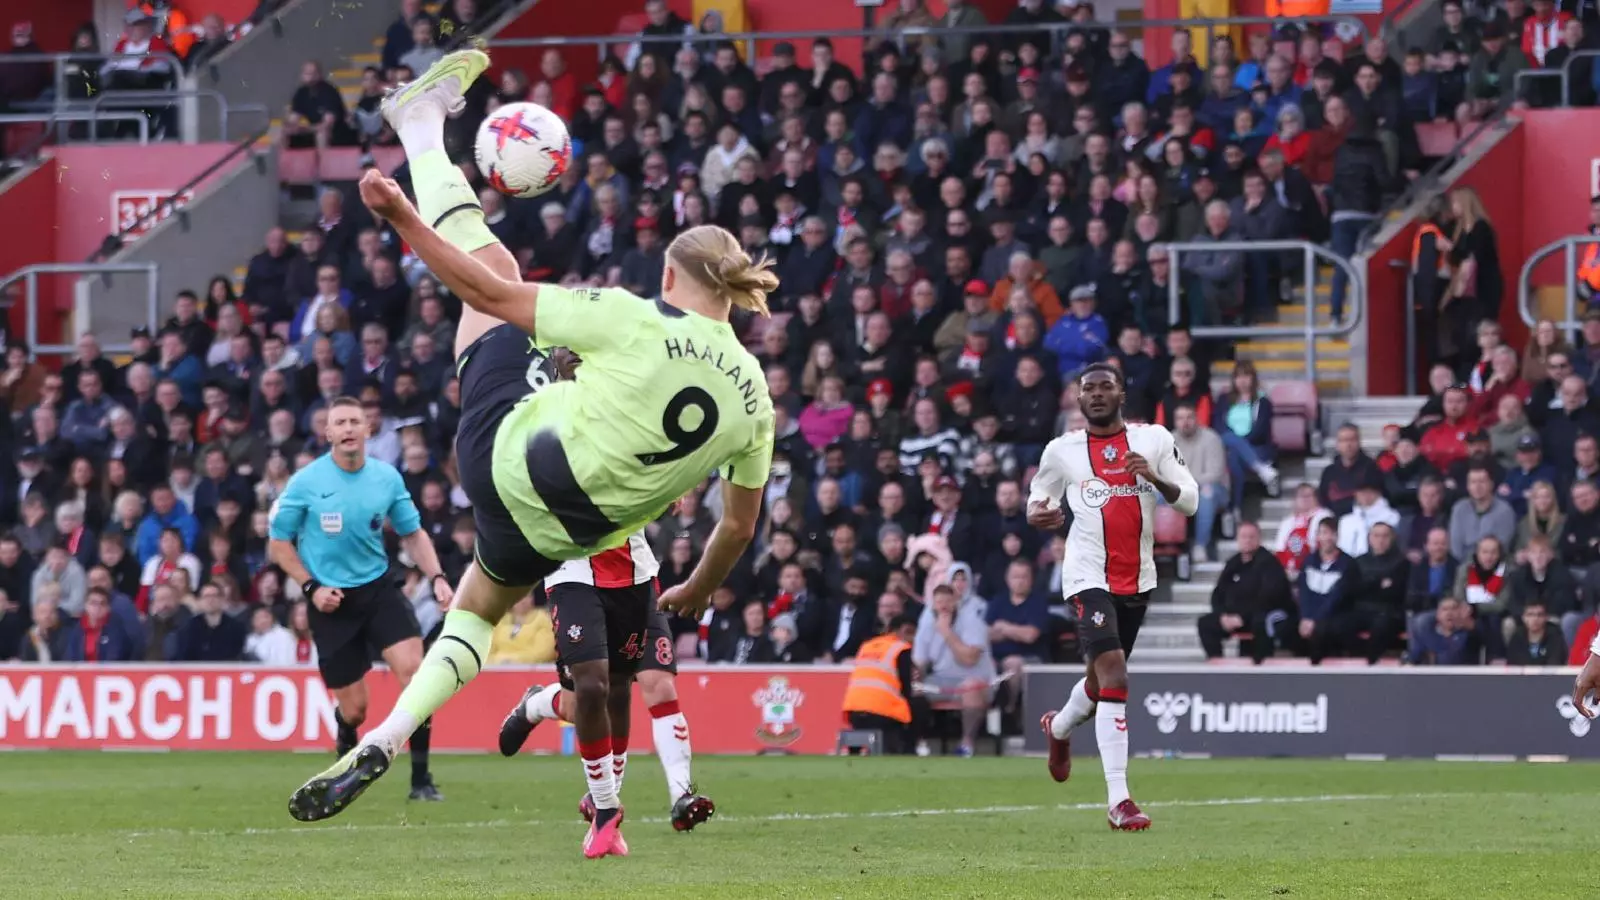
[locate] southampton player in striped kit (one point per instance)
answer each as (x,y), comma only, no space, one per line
(618,576)
(1110,475)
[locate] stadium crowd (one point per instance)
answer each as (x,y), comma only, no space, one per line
(959,231)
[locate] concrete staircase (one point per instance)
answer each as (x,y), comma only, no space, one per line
(1169,634)
(1280,358)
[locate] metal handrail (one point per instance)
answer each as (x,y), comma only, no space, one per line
(1355,295)
(1525,281)
(29,275)
(59,79)
(1564,73)
(1055,29)
(145,98)
(114,242)
(1428,181)
(51,119)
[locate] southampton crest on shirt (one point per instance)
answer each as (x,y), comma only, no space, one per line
(1109,454)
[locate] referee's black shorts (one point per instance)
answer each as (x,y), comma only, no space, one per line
(496,372)
(370,619)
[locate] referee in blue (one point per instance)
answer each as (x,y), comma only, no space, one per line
(327,535)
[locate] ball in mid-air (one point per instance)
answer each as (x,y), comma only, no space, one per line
(523,149)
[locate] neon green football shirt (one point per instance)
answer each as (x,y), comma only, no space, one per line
(663,398)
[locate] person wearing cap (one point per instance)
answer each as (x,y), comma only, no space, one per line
(1479,453)
(1493,69)
(781,73)
(1530,469)
(1080,337)
(1480,514)
(996,260)
(809,262)
(642,264)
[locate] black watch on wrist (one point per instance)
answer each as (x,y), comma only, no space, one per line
(310,587)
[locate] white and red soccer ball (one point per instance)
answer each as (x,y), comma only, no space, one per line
(523,149)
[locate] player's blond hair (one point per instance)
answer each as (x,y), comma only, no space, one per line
(713,258)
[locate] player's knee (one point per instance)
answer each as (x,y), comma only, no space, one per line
(656,688)
(1111,671)
(354,714)
(592,684)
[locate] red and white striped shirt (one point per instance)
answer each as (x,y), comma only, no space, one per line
(620,567)
(1113,513)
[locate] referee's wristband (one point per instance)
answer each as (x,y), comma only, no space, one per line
(310,586)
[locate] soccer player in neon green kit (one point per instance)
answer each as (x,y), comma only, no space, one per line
(666,394)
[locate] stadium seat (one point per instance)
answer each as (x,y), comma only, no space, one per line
(1171,537)
(388,158)
(1437,138)
(297,166)
(1294,414)
(340,164)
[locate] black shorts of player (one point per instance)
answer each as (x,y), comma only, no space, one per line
(594,624)
(660,656)
(1108,621)
(370,619)
(494,373)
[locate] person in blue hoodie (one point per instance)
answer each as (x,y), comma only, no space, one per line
(1326,585)
(166,511)
(99,636)
(1079,337)
(1531,468)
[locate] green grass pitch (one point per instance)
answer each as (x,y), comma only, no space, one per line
(214,826)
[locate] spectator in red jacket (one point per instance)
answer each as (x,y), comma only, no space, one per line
(564,93)
(1541,32)
(1446,441)
(1505,379)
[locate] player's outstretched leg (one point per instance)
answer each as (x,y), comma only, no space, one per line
(1058,727)
(670,732)
(452,662)
(445,200)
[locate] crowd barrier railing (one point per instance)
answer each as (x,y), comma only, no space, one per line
(1571,322)
(1310,255)
(28,277)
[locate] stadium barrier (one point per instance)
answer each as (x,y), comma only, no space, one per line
(742,710)
(1527,294)
(1361,712)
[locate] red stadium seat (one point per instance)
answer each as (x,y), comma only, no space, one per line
(1437,138)
(340,164)
(388,158)
(297,166)
(1294,414)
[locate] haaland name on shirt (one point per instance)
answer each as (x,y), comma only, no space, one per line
(686,349)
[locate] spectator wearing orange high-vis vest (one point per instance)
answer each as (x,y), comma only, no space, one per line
(879,695)
(1294,9)
(1589,256)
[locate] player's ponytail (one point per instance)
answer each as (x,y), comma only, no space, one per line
(713,258)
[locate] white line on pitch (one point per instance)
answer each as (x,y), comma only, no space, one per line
(797,816)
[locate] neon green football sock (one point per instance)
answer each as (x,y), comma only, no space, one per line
(442,192)
(456,658)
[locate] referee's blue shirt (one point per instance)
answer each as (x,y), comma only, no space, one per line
(336,519)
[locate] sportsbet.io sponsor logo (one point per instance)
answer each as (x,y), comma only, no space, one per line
(1171,711)
(1097,493)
